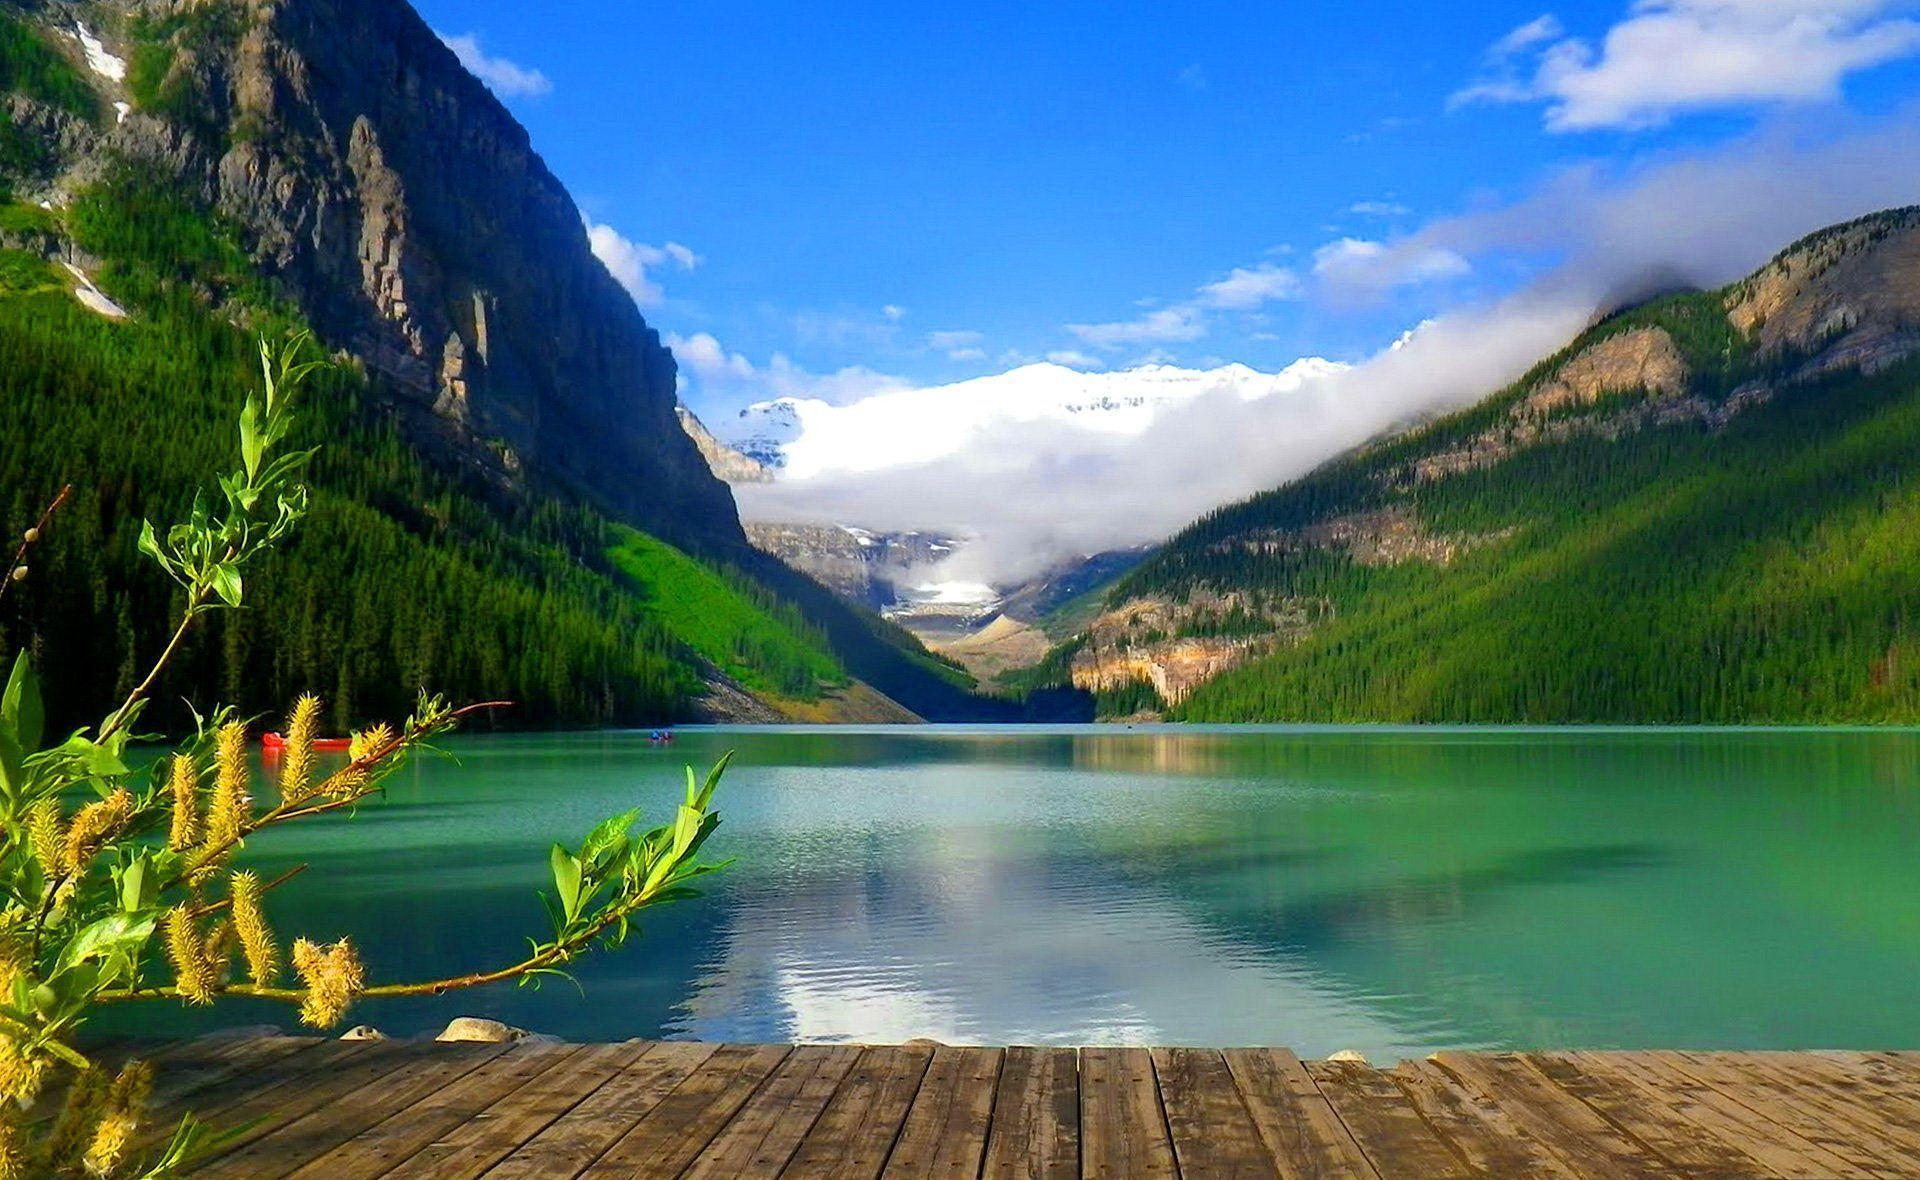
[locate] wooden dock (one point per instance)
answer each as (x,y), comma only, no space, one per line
(347,1110)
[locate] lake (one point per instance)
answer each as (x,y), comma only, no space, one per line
(1390,890)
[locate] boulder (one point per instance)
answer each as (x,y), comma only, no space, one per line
(474,1028)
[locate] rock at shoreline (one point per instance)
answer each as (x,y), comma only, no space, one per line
(473,1028)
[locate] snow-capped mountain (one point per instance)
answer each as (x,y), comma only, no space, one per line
(806,437)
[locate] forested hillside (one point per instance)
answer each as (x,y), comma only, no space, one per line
(1705,509)
(438,553)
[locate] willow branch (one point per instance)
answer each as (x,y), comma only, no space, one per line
(286,810)
(119,717)
(558,952)
(30,536)
(214,907)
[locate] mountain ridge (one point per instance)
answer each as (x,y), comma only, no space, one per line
(1588,543)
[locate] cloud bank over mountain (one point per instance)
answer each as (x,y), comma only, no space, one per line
(997,459)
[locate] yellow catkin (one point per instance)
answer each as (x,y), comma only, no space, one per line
(192,972)
(353,779)
(333,977)
(48,833)
(21,1072)
(250,923)
(13,962)
(86,1096)
(15,1160)
(93,825)
(183,788)
(120,1119)
(297,761)
(232,805)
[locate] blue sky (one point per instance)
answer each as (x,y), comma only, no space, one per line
(872,191)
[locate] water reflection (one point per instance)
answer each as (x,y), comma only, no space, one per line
(1394,891)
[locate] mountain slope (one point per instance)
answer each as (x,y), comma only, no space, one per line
(1703,509)
(505,415)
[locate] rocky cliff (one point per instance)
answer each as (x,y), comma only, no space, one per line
(397,202)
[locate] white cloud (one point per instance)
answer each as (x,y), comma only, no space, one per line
(720,375)
(1194,77)
(505,78)
(1246,287)
(704,356)
(954,339)
(1360,267)
(1074,358)
(1669,57)
(1163,325)
(628,261)
(1378,209)
(894,312)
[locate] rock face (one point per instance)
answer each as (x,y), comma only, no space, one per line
(1177,646)
(1846,297)
(1644,358)
(728,464)
(863,567)
(404,209)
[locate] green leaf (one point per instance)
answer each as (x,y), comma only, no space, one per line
(566,881)
(713,780)
(96,760)
(20,705)
(111,935)
(608,839)
(139,886)
(226,583)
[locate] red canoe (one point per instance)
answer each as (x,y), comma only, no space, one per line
(273,743)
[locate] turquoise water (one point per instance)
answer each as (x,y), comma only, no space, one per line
(1394,891)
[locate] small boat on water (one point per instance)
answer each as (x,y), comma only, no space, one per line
(273,743)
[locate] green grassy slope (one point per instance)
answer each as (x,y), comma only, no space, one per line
(1765,572)
(743,629)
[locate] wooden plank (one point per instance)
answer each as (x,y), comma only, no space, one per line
(1866,1091)
(326,1127)
(945,1132)
(1787,1112)
(496,1132)
(1798,1109)
(1306,1138)
(385,1145)
(247,1095)
(1212,1132)
(179,1075)
(1385,1124)
(1690,1103)
(674,1134)
(1564,1124)
(1696,1137)
(1123,1131)
(1036,1117)
(762,1137)
(578,1137)
(1482,1133)
(855,1133)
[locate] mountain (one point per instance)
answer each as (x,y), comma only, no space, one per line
(806,437)
(727,464)
(506,501)
(1702,509)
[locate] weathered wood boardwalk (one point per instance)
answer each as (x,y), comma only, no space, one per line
(345,1110)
